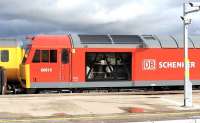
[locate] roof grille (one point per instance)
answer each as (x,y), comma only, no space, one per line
(95,39)
(126,39)
(106,39)
(148,37)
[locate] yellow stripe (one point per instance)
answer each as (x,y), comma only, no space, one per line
(27,71)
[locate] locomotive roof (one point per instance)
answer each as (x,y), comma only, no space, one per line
(131,41)
(109,41)
(160,41)
(47,41)
(10,42)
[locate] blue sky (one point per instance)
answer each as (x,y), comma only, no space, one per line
(19,18)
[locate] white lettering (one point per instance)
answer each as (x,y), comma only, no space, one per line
(150,64)
(175,65)
(46,70)
(192,64)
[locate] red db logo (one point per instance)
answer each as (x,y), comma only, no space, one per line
(149,64)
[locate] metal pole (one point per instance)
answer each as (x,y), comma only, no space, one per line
(187,82)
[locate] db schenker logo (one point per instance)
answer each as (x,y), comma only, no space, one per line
(149,64)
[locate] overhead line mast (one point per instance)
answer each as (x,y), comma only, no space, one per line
(186,22)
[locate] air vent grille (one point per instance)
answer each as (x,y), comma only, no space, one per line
(105,39)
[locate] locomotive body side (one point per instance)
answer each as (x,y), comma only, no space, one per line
(90,61)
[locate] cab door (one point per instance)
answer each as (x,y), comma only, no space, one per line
(65,65)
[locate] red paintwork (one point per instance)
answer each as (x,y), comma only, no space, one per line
(165,55)
(51,41)
(138,73)
(59,72)
(78,60)
(75,70)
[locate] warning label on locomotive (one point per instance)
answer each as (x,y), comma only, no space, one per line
(152,64)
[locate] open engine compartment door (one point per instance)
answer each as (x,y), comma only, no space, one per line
(108,66)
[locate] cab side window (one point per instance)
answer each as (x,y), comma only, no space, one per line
(4,56)
(65,56)
(36,58)
(45,56)
(53,56)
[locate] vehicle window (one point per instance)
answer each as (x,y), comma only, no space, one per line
(36,58)
(27,50)
(65,56)
(45,55)
(49,56)
(53,56)
(4,56)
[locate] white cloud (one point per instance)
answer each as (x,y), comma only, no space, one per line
(122,13)
(92,16)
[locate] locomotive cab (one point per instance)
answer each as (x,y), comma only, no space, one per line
(48,61)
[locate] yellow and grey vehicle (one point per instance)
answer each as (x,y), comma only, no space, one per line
(11,56)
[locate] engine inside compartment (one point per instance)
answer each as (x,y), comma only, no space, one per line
(105,66)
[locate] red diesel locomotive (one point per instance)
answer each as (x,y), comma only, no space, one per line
(88,61)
